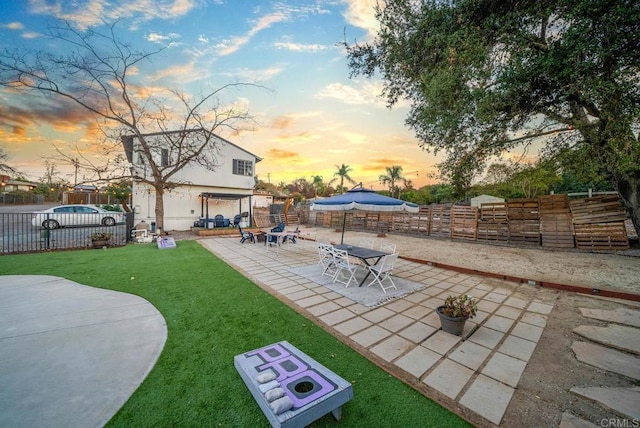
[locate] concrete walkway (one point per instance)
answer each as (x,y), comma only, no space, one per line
(476,375)
(71,355)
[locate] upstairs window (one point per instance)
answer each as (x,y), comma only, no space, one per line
(242,167)
(165,157)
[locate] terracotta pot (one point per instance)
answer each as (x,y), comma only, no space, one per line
(452,325)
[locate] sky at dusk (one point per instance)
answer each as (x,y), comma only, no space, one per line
(312,117)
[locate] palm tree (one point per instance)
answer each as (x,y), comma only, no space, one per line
(394,175)
(317,184)
(343,172)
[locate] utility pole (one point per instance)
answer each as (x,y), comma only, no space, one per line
(75,179)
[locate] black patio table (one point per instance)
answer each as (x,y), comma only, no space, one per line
(364,254)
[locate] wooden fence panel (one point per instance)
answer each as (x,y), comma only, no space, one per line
(524,221)
(441,220)
(598,223)
(464,222)
(493,225)
(556,226)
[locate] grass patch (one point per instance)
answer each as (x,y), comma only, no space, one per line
(213,313)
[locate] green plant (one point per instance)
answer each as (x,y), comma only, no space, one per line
(462,306)
(101,236)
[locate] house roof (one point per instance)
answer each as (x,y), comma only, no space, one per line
(127,142)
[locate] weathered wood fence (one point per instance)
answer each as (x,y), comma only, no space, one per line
(553,221)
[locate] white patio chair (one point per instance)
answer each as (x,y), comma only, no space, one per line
(366,243)
(382,272)
(325,254)
(388,247)
(345,270)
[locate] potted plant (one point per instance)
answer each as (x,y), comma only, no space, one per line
(100,239)
(455,312)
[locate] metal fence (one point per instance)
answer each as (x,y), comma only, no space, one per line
(19,235)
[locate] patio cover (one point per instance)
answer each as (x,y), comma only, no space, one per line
(205,196)
(361,199)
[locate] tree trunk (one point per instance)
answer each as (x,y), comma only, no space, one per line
(628,186)
(160,208)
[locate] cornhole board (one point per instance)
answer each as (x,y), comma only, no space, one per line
(166,242)
(313,389)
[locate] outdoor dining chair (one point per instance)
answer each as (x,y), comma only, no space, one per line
(382,272)
(345,270)
(325,254)
(388,247)
(366,243)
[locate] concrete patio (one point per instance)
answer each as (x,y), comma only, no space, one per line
(474,375)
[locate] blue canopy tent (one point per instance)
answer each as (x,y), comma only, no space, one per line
(362,199)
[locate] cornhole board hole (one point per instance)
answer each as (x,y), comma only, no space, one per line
(313,389)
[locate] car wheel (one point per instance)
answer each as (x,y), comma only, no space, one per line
(108,221)
(50,224)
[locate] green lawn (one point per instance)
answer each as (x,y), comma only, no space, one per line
(213,313)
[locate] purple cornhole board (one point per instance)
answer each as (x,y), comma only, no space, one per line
(313,389)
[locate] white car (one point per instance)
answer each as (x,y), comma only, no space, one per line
(75,215)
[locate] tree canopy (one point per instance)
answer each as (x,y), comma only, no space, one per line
(484,77)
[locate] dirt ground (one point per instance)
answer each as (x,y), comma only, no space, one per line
(543,392)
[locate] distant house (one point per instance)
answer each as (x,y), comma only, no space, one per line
(9,185)
(199,194)
(484,199)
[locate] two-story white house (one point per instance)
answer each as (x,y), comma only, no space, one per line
(199,193)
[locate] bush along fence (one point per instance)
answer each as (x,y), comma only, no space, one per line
(552,221)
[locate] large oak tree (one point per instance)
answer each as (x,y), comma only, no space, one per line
(486,76)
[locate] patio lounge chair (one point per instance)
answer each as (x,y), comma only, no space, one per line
(246,236)
(382,271)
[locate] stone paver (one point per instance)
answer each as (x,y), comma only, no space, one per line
(379,314)
(518,347)
(571,421)
(541,308)
(392,348)
(370,336)
(352,326)
(441,342)
(527,331)
(488,398)
(505,369)
(628,317)
(486,337)
(417,332)
(499,323)
(418,361)
(622,401)
(337,317)
(470,355)
(607,359)
(396,323)
(449,378)
(616,336)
